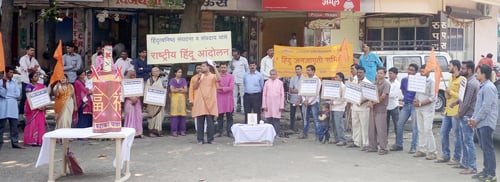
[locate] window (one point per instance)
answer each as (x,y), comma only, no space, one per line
(402,62)
(443,63)
(455,39)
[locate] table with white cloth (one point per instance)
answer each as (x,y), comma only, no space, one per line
(123,140)
(253,135)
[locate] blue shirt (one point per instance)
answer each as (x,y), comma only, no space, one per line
(142,69)
(370,63)
(72,63)
(8,99)
(253,82)
(485,111)
(408,96)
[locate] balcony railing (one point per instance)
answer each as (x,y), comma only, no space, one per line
(381,45)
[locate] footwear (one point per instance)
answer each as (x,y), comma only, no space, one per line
(459,166)
(368,149)
(396,148)
(302,137)
(200,143)
(431,156)
(183,133)
(152,135)
(352,145)
(382,152)
(365,148)
(218,135)
(489,179)
(479,176)
(175,135)
(468,172)
(442,160)
(453,162)
(230,135)
(412,151)
(17,146)
(341,144)
(419,154)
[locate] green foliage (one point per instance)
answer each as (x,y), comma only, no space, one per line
(51,13)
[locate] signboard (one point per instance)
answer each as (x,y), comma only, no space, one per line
(108,58)
(331,89)
(416,83)
(155,96)
(188,47)
(308,5)
(369,91)
(133,87)
(308,87)
(38,98)
(352,92)
(107,113)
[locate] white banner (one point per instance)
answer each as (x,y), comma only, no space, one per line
(188,47)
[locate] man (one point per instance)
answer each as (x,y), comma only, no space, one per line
(377,128)
(28,64)
(486,60)
(273,101)
(72,62)
(239,66)
(225,100)
(205,102)
(449,121)
(94,56)
(192,94)
(393,105)
(310,104)
(293,41)
(295,101)
(253,82)
(406,112)
(124,62)
(348,112)
(424,104)
(370,61)
(465,111)
(266,64)
(485,120)
(9,93)
(360,116)
(141,66)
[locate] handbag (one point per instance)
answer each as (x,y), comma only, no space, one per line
(74,167)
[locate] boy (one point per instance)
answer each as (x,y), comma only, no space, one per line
(324,119)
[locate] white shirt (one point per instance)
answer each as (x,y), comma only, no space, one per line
(240,68)
(293,42)
(340,103)
(266,65)
(124,64)
(26,62)
(314,99)
(394,95)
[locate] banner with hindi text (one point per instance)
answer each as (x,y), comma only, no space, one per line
(328,60)
(188,47)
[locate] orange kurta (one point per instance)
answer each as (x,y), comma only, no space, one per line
(205,97)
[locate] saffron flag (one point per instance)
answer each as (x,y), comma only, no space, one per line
(59,68)
(2,56)
(432,64)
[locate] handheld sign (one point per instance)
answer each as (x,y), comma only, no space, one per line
(155,96)
(352,92)
(331,89)
(369,91)
(461,91)
(252,118)
(308,87)
(416,83)
(133,87)
(38,98)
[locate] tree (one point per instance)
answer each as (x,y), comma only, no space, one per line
(191,18)
(6,29)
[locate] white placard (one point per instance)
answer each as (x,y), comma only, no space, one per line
(133,87)
(108,58)
(38,98)
(352,92)
(416,83)
(155,96)
(331,89)
(369,91)
(461,92)
(308,87)
(252,118)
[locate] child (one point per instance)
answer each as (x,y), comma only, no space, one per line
(89,84)
(324,119)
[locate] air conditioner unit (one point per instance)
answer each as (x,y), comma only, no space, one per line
(484,9)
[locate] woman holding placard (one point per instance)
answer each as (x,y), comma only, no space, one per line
(83,101)
(65,103)
(35,118)
(156,113)
(178,90)
(133,110)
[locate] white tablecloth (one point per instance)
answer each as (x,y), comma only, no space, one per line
(43,156)
(245,133)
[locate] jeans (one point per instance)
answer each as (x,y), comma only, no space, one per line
(323,131)
(405,113)
(468,146)
(310,110)
(338,125)
(293,110)
(14,134)
(485,135)
(220,122)
(448,123)
(394,114)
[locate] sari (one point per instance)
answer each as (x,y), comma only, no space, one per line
(64,106)
(35,120)
(156,113)
(133,114)
(84,103)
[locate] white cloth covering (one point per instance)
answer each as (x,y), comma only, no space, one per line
(245,133)
(43,156)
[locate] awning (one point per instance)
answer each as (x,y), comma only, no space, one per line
(464,13)
(490,2)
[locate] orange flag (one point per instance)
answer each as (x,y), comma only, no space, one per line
(344,48)
(2,55)
(59,68)
(432,64)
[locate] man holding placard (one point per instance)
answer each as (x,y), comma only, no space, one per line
(310,103)
(424,109)
(9,93)
(393,105)
(449,120)
(295,100)
(360,116)
(377,128)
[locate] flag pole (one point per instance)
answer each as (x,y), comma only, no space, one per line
(442,79)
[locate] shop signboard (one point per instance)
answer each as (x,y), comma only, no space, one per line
(311,5)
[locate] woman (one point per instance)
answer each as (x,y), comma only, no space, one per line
(133,110)
(83,101)
(64,104)
(156,113)
(35,118)
(178,90)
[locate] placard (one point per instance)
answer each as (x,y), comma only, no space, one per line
(369,91)
(133,87)
(108,58)
(252,118)
(416,83)
(107,110)
(38,98)
(352,92)
(308,87)
(461,91)
(155,96)
(331,89)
